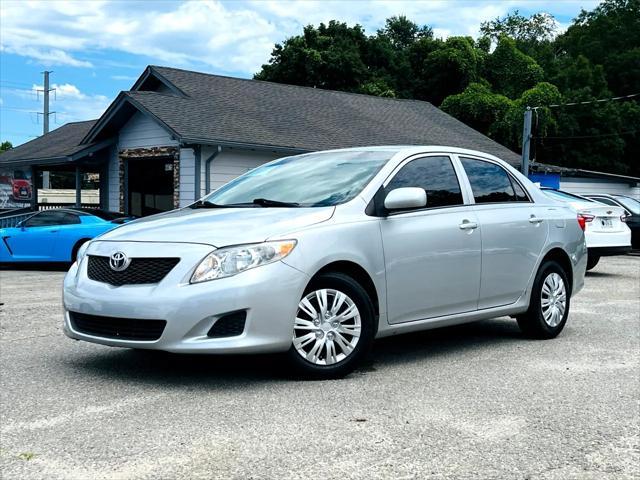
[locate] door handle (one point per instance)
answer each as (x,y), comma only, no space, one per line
(535,220)
(53,231)
(467,225)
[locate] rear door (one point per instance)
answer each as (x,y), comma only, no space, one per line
(514,231)
(37,238)
(432,255)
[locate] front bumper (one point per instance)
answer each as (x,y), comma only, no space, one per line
(269,295)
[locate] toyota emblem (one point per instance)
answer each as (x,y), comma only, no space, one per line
(119,262)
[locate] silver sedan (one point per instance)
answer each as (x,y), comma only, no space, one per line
(317,255)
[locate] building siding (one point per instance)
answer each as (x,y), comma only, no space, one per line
(583,186)
(187,176)
(142,131)
(231,163)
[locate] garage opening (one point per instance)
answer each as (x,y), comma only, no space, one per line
(150,185)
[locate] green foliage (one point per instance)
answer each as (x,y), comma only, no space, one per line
(510,71)
(6,145)
(517,62)
(449,69)
(537,28)
(479,107)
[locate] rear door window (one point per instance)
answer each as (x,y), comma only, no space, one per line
(490,182)
(433,174)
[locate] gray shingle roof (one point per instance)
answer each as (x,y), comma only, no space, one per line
(219,108)
(59,143)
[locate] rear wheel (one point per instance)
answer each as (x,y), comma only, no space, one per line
(592,261)
(333,329)
(549,304)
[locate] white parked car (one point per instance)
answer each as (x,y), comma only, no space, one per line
(605,228)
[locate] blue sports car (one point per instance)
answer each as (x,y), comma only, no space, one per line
(54,235)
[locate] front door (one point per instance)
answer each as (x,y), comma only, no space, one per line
(150,186)
(432,255)
(36,238)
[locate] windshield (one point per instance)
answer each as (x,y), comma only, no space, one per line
(311,180)
(629,203)
(565,196)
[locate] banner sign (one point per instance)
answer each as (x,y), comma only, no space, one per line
(16,188)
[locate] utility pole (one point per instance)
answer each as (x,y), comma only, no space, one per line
(526,141)
(45,121)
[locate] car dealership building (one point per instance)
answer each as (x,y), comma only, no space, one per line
(176,135)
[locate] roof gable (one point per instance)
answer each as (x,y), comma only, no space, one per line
(153,81)
(63,143)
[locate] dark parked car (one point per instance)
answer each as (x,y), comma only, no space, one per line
(631,205)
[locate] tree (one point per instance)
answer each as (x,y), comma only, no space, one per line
(327,57)
(597,57)
(479,108)
(538,27)
(402,32)
(448,69)
(510,71)
(6,145)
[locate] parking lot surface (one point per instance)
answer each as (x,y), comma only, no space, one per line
(474,401)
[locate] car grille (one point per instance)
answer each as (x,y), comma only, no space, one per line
(117,328)
(139,271)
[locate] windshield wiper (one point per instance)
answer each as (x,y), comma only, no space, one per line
(265,202)
(207,204)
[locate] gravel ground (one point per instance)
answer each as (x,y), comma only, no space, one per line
(475,401)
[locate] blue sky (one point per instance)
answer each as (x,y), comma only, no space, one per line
(96,48)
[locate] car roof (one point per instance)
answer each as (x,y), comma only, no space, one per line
(415,149)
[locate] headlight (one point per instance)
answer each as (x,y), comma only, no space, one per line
(229,261)
(81,252)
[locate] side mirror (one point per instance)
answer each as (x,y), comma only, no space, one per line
(404,198)
(20,225)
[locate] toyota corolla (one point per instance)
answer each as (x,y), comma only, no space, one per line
(319,254)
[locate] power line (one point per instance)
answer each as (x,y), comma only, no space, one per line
(602,135)
(588,102)
(19,84)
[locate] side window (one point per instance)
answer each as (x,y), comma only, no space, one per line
(435,175)
(606,201)
(521,195)
(490,182)
(69,218)
(42,219)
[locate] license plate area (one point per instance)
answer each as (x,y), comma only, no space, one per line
(607,223)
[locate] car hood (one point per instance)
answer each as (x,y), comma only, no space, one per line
(218,227)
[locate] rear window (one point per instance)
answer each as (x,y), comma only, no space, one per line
(565,196)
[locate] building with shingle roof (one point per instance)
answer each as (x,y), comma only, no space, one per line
(178,134)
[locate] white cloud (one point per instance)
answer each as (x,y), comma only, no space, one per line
(223,36)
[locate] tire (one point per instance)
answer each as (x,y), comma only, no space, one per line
(76,247)
(330,346)
(533,323)
(592,261)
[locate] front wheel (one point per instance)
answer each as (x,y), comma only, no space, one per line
(333,329)
(549,304)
